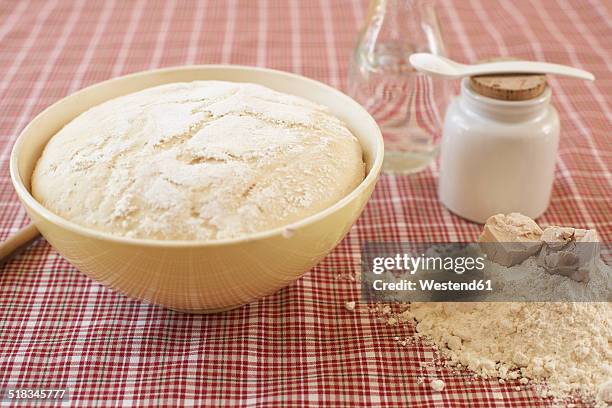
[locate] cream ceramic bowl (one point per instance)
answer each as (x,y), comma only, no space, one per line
(198,276)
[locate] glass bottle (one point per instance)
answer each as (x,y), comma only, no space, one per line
(408,106)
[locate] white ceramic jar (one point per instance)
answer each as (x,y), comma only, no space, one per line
(498,156)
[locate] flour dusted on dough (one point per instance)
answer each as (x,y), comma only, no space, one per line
(200,160)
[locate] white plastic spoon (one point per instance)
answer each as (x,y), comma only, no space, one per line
(436,65)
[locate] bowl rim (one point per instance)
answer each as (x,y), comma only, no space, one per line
(55,219)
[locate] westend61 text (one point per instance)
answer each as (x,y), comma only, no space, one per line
(432,285)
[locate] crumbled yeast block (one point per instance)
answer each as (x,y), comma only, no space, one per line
(570,252)
(510,239)
(350,306)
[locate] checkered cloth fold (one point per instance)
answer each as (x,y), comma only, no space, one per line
(299,346)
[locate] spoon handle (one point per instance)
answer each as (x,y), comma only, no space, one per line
(526,67)
(16,242)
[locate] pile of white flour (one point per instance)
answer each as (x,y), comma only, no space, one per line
(561,343)
(563,346)
(566,344)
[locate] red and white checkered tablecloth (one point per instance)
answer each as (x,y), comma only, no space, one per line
(299,346)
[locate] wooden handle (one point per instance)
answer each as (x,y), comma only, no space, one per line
(18,241)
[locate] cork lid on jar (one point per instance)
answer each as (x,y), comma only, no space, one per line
(509,87)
